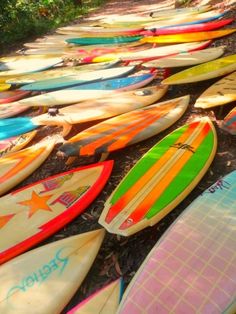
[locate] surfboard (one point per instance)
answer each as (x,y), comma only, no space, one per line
(161,179)
(35,212)
(4,87)
(15,143)
(96,109)
(188,37)
(17,166)
(172,21)
(148,54)
(87,91)
(205,71)
(83,78)
(103,40)
(166,13)
(229,122)
(12,95)
(7,111)
(191,269)
(187,58)
(200,27)
(126,129)
(60,72)
(220,93)
(98,30)
(104,301)
(58,268)
(24,64)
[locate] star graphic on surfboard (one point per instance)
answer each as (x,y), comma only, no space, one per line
(36,203)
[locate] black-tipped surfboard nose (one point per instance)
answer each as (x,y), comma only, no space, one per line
(68,149)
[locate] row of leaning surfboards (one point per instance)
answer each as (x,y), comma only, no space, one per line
(191,269)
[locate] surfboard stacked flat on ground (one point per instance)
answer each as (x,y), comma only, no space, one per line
(148,54)
(78,79)
(87,91)
(33,213)
(64,71)
(220,93)
(17,166)
(229,122)
(7,111)
(189,37)
(58,268)
(97,109)
(161,179)
(16,143)
(104,301)
(126,129)
(187,58)
(192,268)
(183,29)
(204,71)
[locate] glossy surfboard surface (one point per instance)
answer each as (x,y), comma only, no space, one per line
(187,58)
(229,122)
(35,212)
(17,166)
(7,111)
(220,93)
(205,71)
(166,13)
(23,64)
(104,301)
(103,40)
(4,87)
(88,91)
(161,179)
(172,21)
(58,268)
(97,109)
(189,37)
(13,144)
(192,268)
(149,54)
(12,95)
(62,71)
(201,27)
(78,79)
(126,129)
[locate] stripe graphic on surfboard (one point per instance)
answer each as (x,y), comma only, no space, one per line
(192,268)
(126,129)
(16,166)
(161,179)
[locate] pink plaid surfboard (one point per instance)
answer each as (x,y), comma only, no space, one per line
(192,268)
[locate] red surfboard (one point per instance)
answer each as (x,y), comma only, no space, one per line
(32,213)
(12,95)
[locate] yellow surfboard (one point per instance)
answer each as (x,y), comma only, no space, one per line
(205,71)
(188,37)
(220,93)
(4,87)
(43,280)
(16,166)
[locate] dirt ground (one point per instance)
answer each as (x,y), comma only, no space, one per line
(120,256)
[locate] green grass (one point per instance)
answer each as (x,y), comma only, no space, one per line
(22,19)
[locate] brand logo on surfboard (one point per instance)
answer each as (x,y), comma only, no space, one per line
(40,275)
(184,146)
(69,197)
(56,183)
